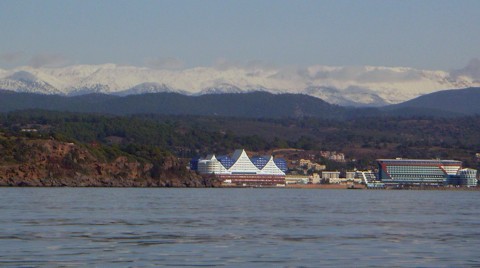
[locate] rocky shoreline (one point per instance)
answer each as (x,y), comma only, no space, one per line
(51,163)
(108,182)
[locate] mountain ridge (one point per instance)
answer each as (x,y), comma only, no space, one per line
(347,86)
(252,104)
(256,104)
(456,102)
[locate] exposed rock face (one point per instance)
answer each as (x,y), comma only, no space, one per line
(54,163)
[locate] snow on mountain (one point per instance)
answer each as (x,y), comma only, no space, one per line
(350,85)
(352,96)
(221,89)
(23,81)
(148,87)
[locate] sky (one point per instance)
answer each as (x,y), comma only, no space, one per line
(178,34)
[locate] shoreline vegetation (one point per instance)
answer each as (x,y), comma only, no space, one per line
(54,149)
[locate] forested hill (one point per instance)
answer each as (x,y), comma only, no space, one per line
(253,105)
(448,103)
(150,137)
(454,102)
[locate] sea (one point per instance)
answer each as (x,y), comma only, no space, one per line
(162,227)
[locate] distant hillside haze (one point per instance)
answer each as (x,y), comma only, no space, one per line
(449,103)
(357,86)
(253,105)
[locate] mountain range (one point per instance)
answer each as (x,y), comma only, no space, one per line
(251,105)
(445,103)
(448,103)
(347,86)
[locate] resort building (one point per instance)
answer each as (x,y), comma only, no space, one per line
(369,178)
(297,179)
(423,172)
(331,176)
(465,177)
(240,170)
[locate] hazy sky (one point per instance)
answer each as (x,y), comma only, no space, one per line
(180,34)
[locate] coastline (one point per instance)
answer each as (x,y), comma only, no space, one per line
(363,187)
(305,187)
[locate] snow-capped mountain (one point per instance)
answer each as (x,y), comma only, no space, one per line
(27,82)
(221,89)
(148,87)
(351,85)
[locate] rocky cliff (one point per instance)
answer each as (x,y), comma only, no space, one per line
(40,162)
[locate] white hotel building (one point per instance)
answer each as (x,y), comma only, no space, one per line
(240,170)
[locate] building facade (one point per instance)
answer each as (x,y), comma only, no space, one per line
(465,177)
(369,178)
(240,170)
(331,176)
(417,171)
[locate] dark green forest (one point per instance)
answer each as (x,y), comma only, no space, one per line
(154,136)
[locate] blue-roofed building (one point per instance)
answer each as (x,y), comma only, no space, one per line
(281,164)
(240,170)
(226,161)
(194,164)
(260,161)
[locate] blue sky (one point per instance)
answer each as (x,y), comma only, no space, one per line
(181,34)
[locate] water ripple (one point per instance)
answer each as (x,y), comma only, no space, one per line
(237,227)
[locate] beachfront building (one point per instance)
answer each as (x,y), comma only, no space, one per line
(417,171)
(465,177)
(332,177)
(297,179)
(240,170)
(369,178)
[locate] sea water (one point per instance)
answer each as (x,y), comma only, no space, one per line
(109,227)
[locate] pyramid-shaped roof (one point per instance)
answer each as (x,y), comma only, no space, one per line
(242,163)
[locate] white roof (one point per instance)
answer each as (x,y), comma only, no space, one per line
(210,157)
(242,163)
